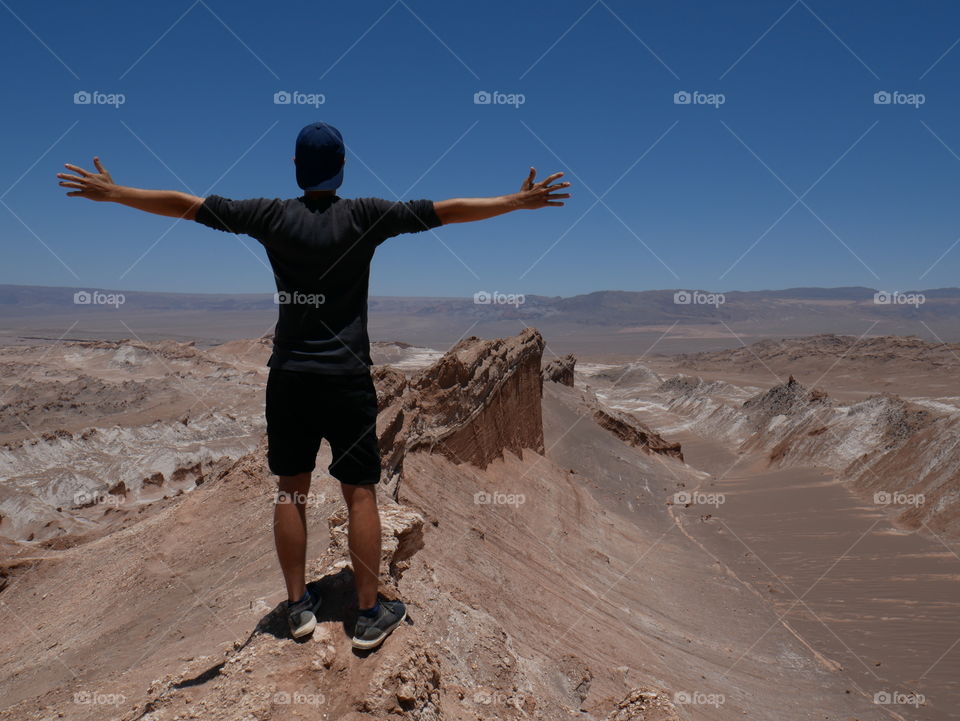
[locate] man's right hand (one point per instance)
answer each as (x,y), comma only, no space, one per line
(95,186)
(100,186)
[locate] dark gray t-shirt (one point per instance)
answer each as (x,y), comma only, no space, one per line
(320,250)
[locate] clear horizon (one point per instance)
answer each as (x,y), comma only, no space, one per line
(831,161)
(461,297)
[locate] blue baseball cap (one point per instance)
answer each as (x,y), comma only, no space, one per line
(320,155)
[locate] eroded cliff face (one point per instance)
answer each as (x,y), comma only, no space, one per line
(482,398)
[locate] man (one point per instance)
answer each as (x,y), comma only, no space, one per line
(319,386)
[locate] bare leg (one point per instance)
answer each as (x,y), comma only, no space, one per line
(364,540)
(290,531)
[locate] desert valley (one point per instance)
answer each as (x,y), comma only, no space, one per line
(764,530)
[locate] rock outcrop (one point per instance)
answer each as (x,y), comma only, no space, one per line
(632,432)
(481,398)
(560,370)
(644,705)
(884,446)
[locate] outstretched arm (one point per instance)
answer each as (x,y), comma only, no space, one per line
(100,186)
(532,195)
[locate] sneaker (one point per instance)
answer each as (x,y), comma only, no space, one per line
(301,615)
(370,632)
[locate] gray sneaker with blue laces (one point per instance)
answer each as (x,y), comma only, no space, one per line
(370,631)
(301,616)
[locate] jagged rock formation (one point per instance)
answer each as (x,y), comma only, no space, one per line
(631,431)
(883,444)
(561,370)
(715,408)
(781,400)
(481,398)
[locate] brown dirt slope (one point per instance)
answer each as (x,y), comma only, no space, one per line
(535,591)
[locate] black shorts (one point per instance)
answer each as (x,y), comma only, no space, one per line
(304,408)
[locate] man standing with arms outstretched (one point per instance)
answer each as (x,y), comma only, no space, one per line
(320,247)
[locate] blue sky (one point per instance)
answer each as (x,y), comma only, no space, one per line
(693,195)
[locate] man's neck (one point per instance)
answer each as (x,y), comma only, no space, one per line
(319,193)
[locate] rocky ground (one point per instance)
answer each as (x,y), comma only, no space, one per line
(530,524)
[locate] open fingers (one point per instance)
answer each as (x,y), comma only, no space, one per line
(527,184)
(558,186)
(99,165)
(67,176)
(64,184)
(550,178)
(77,169)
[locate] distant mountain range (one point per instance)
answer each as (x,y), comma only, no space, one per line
(606,323)
(617,308)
